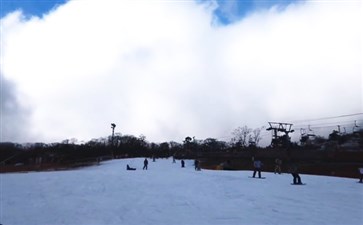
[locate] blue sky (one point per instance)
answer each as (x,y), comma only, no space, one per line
(231,10)
(227,11)
(29,7)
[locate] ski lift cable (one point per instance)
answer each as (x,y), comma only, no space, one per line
(346,124)
(321,127)
(341,123)
(327,118)
(338,121)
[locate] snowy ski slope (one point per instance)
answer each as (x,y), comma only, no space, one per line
(167,194)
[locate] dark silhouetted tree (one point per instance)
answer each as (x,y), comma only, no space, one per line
(240,136)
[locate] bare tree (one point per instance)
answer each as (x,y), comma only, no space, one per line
(240,135)
(256,136)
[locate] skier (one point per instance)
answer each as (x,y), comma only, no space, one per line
(257,164)
(293,169)
(145,164)
(129,168)
(182,163)
(278,163)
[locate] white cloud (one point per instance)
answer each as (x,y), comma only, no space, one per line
(161,69)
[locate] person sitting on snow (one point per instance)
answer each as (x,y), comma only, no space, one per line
(129,168)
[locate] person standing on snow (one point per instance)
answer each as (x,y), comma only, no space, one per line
(182,163)
(361,175)
(145,164)
(293,169)
(257,164)
(278,163)
(196,164)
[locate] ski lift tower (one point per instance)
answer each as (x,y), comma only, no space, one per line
(280,136)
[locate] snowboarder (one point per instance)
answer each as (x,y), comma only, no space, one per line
(361,175)
(278,163)
(129,168)
(182,163)
(257,164)
(293,169)
(145,164)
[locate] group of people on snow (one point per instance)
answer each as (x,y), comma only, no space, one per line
(293,168)
(257,164)
(146,163)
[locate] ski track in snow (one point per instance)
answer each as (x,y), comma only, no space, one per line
(167,194)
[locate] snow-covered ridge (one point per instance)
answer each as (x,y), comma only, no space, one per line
(168,194)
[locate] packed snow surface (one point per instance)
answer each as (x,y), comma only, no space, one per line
(167,194)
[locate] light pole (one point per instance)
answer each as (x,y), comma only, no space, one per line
(112,137)
(113,132)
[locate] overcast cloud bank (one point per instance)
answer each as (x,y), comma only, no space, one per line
(166,70)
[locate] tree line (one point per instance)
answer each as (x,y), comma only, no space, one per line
(126,146)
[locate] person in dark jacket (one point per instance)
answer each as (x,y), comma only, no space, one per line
(293,169)
(196,164)
(129,168)
(257,164)
(182,163)
(145,164)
